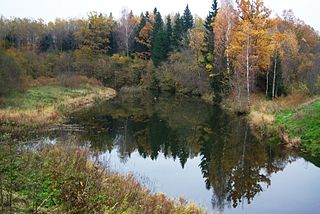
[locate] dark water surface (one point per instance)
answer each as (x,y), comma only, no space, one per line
(184,147)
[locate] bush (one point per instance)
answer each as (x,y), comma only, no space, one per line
(10,74)
(298,88)
(182,73)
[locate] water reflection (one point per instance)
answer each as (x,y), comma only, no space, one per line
(234,164)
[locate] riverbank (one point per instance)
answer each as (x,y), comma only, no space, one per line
(293,122)
(62,179)
(48,102)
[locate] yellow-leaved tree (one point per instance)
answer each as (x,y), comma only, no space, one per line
(94,33)
(250,48)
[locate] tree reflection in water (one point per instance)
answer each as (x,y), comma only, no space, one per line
(234,164)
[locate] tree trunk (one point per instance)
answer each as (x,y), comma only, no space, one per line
(248,69)
(127,40)
(274,74)
(267,84)
(227,42)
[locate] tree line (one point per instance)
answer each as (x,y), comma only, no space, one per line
(238,49)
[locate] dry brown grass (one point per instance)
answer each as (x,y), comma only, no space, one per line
(263,105)
(64,80)
(67,181)
(41,115)
(262,110)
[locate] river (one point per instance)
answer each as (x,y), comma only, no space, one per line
(182,146)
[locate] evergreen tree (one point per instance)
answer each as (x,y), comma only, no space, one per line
(160,47)
(46,43)
(147,16)
(177,31)
(187,20)
(69,42)
(137,47)
(158,23)
(155,11)
(169,31)
(209,33)
(160,42)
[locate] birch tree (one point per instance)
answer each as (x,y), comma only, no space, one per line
(250,48)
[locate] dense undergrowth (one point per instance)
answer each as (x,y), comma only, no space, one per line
(48,178)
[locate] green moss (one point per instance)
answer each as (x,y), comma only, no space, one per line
(303,123)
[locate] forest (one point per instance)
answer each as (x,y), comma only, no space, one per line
(237,50)
(241,81)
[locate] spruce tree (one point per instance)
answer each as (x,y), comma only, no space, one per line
(177,32)
(209,32)
(160,42)
(46,43)
(158,24)
(169,31)
(160,47)
(187,20)
(137,47)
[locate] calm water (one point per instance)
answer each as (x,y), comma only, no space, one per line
(184,147)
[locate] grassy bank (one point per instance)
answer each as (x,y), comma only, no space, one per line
(47,104)
(60,179)
(292,121)
(303,123)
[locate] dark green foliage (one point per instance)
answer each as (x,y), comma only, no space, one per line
(177,32)
(160,43)
(187,19)
(137,47)
(46,43)
(10,74)
(169,31)
(155,83)
(160,47)
(158,24)
(209,34)
(215,83)
(69,43)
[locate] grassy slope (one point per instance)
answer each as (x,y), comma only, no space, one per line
(303,123)
(298,115)
(43,105)
(60,178)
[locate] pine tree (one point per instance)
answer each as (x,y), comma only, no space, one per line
(187,19)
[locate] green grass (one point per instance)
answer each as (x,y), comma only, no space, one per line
(40,106)
(303,123)
(43,96)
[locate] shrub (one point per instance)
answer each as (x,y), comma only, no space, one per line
(10,74)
